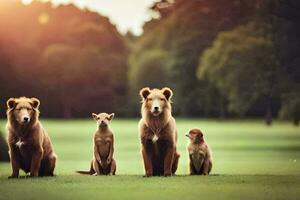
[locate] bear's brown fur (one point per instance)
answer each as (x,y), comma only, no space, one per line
(30,147)
(158,133)
(199,153)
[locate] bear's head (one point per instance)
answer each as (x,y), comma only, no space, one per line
(23,110)
(195,135)
(156,101)
(103,119)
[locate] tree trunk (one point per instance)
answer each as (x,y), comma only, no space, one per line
(268,116)
(296,122)
(297,119)
(222,107)
(66,109)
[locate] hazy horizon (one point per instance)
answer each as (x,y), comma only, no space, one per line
(127,15)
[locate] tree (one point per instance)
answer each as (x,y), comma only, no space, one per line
(185,29)
(61,72)
(286,20)
(291,107)
(243,64)
(67,57)
(149,69)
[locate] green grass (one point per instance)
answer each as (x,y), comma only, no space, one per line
(251,161)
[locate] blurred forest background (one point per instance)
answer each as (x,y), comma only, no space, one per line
(222,58)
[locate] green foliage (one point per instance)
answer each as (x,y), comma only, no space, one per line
(149,69)
(243,64)
(242,46)
(287,29)
(291,107)
(184,30)
(258,61)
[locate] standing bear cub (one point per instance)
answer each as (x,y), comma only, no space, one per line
(30,147)
(103,162)
(158,133)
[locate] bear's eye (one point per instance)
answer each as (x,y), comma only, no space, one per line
(150,99)
(162,99)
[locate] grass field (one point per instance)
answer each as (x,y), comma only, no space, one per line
(251,161)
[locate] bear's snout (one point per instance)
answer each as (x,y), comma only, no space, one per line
(102,123)
(26,119)
(25,116)
(156,107)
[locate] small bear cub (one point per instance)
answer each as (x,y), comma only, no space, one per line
(199,153)
(103,162)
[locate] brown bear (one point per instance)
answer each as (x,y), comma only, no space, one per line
(30,148)
(158,133)
(199,153)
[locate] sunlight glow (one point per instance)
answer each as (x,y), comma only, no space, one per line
(43,18)
(26,2)
(127,15)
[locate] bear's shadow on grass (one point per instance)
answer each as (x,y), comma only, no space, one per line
(30,177)
(137,175)
(187,175)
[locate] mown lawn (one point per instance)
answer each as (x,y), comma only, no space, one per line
(251,161)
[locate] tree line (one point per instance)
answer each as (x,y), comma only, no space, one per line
(222,58)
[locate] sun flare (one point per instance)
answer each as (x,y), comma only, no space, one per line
(26,2)
(43,18)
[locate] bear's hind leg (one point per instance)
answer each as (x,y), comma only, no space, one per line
(113,167)
(175,162)
(48,166)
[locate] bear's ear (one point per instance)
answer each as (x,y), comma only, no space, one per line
(94,115)
(111,116)
(167,93)
(144,92)
(11,103)
(35,103)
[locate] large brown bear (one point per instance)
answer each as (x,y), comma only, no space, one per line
(30,148)
(158,133)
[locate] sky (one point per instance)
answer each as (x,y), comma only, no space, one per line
(125,14)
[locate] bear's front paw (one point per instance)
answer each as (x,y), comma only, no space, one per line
(13,176)
(34,174)
(167,173)
(148,174)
